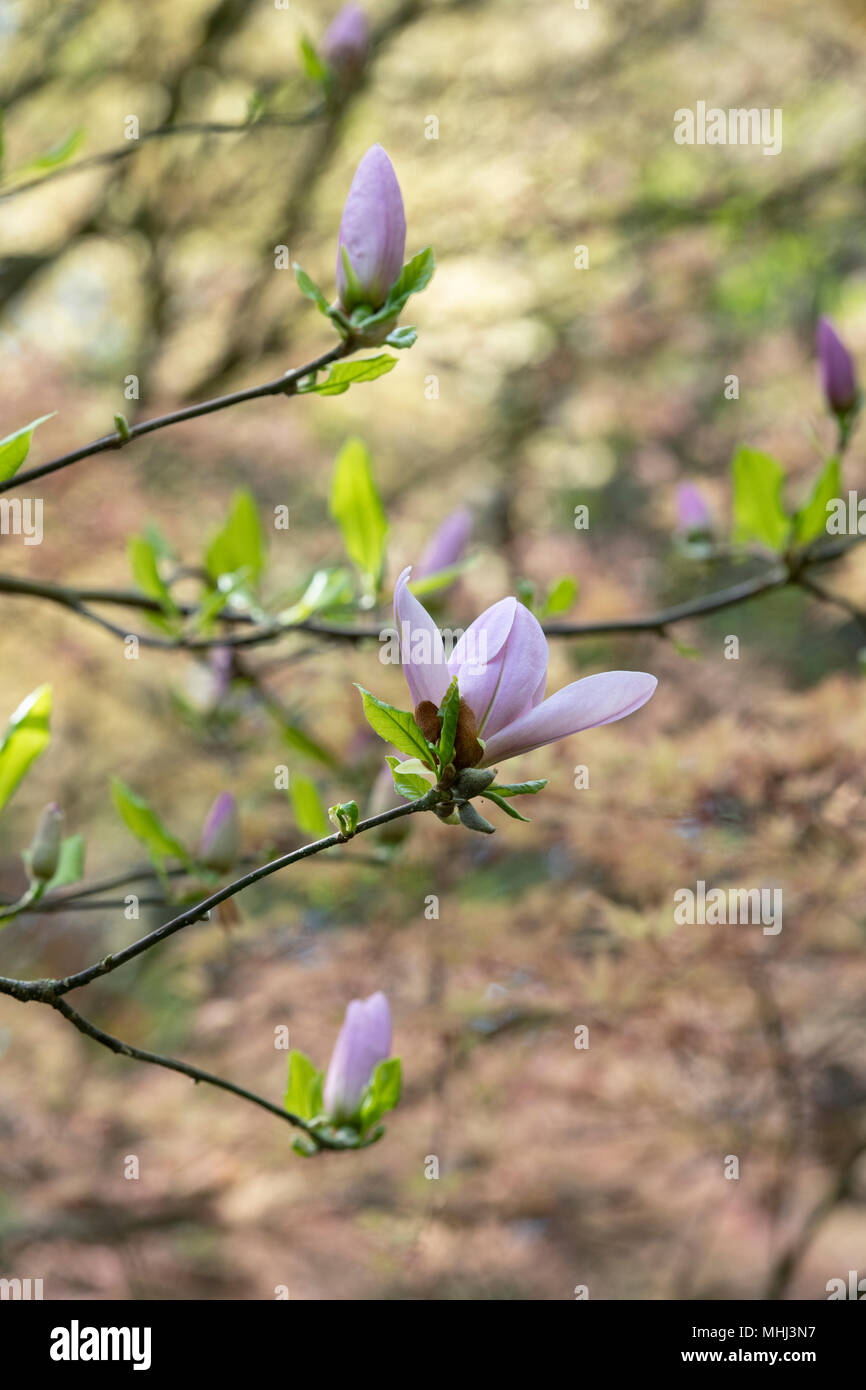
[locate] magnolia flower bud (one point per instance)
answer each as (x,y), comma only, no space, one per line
(345,43)
(447,544)
(46,842)
(693,514)
(364,1040)
(220,839)
(372,236)
(838,375)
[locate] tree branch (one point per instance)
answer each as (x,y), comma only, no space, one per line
(124,1049)
(286,385)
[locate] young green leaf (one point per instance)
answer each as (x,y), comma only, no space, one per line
(328,588)
(344,817)
(27,735)
(145,572)
(303,1089)
(396,726)
(308,809)
(758,511)
(57,155)
(15,447)
(519,788)
(314,66)
(811,519)
(70,867)
(560,597)
(241,543)
(308,287)
(146,826)
(448,712)
(343,374)
(501,802)
(402,338)
(301,741)
(383,1092)
(410,784)
(357,508)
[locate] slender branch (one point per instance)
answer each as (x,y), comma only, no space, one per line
(47,990)
(124,1049)
(286,385)
(79,601)
(132,147)
(835,600)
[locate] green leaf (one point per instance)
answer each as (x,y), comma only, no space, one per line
(27,735)
(383,1092)
(70,866)
(146,826)
(758,511)
(441,579)
(308,809)
(560,597)
(408,784)
(301,741)
(314,66)
(396,726)
(415,276)
(811,519)
(143,562)
(344,374)
(15,447)
(57,155)
(304,1086)
(357,508)
(500,801)
(309,287)
(519,788)
(448,712)
(402,338)
(344,816)
(328,588)
(240,544)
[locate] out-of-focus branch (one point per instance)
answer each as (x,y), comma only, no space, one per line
(795,572)
(107,158)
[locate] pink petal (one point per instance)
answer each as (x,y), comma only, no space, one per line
(419,639)
(522,675)
(476,659)
(584,704)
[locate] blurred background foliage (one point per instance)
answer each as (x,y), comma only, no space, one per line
(556,386)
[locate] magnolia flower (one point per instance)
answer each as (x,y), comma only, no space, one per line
(345,43)
(501,667)
(220,838)
(693,514)
(447,544)
(838,376)
(46,842)
(372,236)
(363,1041)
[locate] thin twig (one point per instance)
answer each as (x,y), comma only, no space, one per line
(286,385)
(124,152)
(124,1049)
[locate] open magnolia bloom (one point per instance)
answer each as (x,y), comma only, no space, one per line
(500,664)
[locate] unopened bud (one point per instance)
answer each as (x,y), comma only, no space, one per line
(473,780)
(220,839)
(45,846)
(473,821)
